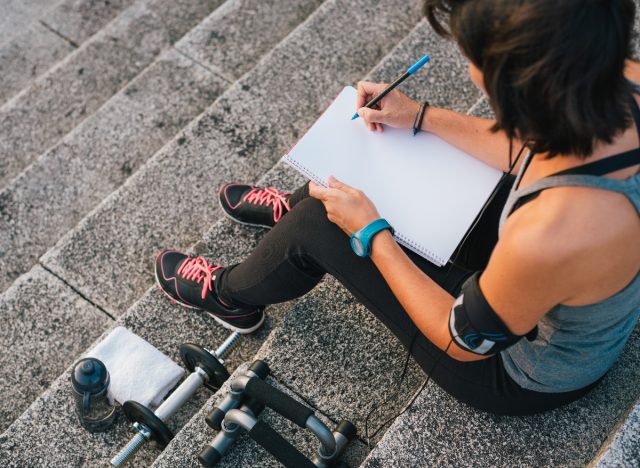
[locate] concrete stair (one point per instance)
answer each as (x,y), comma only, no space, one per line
(438,431)
(108,256)
(35,351)
(401,22)
(57,101)
(55,192)
(325,349)
(65,183)
(47,40)
(16,14)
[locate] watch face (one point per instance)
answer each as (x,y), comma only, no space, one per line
(357,246)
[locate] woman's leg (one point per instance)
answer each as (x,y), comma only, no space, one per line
(294,256)
(305,245)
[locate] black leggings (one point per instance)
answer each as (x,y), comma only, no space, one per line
(304,245)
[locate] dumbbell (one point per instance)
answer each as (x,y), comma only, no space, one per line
(206,369)
(231,418)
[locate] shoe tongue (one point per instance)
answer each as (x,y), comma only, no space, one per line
(235,193)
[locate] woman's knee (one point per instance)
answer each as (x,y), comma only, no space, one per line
(308,227)
(308,214)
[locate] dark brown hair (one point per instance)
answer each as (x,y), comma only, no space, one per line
(553,69)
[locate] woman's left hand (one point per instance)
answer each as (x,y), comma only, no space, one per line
(346,206)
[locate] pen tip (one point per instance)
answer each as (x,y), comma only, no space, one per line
(355,116)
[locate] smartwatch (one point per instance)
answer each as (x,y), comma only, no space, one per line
(361,240)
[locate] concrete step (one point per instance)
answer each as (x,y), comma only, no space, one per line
(239,33)
(56,33)
(17,14)
(78,20)
(57,101)
(65,183)
(45,326)
(232,242)
(195,435)
(28,55)
(239,137)
(48,429)
(150,318)
(622,450)
(61,186)
(439,431)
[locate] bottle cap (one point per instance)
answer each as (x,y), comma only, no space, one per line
(90,375)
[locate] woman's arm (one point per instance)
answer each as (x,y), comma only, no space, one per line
(471,134)
(520,283)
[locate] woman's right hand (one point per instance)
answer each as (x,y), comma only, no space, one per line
(396,109)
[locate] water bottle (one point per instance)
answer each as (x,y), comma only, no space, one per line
(90,382)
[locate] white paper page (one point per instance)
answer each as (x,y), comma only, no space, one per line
(428,190)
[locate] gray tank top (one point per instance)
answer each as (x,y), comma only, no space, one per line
(575,346)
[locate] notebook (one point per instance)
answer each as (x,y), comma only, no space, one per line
(428,190)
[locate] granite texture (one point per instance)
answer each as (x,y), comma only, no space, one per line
(51,421)
(16,15)
(33,50)
(66,182)
(234,37)
(166,326)
(78,20)
(27,55)
(184,449)
(624,450)
(444,81)
(67,94)
(333,351)
(45,325)
(109,255)
(481,108)
(325,55)
(439,431)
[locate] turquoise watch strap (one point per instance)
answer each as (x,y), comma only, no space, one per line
(361,240)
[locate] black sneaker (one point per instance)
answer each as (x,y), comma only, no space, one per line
(189,282)
(254,206)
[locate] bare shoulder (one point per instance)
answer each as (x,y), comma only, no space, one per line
(584,241)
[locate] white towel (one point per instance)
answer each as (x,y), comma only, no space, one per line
(138,370)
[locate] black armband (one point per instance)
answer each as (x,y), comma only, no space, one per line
(475,326)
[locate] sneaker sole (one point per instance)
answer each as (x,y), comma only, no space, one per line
(243,331)
(237,220)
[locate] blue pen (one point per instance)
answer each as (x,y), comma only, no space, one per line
(410,71)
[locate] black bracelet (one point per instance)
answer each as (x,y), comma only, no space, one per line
(417,123)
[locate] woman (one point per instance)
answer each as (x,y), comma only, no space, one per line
(557,296)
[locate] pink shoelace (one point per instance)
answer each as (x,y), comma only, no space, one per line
(198,269)
(269,196)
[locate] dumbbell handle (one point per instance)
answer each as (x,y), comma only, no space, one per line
(181,394)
